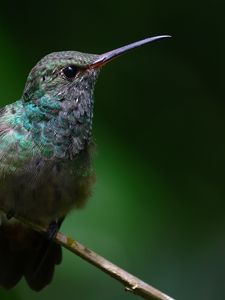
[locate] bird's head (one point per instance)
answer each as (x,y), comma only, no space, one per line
(59,92)
(68,74)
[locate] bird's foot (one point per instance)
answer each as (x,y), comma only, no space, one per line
(52,230)
(10,214)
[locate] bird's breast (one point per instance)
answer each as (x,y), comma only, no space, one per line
(44,191)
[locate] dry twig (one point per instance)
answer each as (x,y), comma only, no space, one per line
(131,283)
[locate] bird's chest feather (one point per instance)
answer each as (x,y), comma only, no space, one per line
(45,161)
(44,190)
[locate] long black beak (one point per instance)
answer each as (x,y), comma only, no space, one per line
(108,56)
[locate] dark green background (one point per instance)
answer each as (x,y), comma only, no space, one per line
(158,205)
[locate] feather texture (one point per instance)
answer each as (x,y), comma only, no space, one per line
(45,163)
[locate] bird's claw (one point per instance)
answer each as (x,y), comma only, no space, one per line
(10,214)
(52,230)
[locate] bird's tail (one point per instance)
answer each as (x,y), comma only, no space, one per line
(21,252)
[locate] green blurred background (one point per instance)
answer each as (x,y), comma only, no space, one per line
(158,205)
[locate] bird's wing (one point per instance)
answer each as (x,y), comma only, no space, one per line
(15,141)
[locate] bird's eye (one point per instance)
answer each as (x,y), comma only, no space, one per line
(70,71)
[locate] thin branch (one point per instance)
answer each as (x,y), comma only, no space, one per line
(131,283)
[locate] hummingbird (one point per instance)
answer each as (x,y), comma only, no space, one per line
(46,152)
